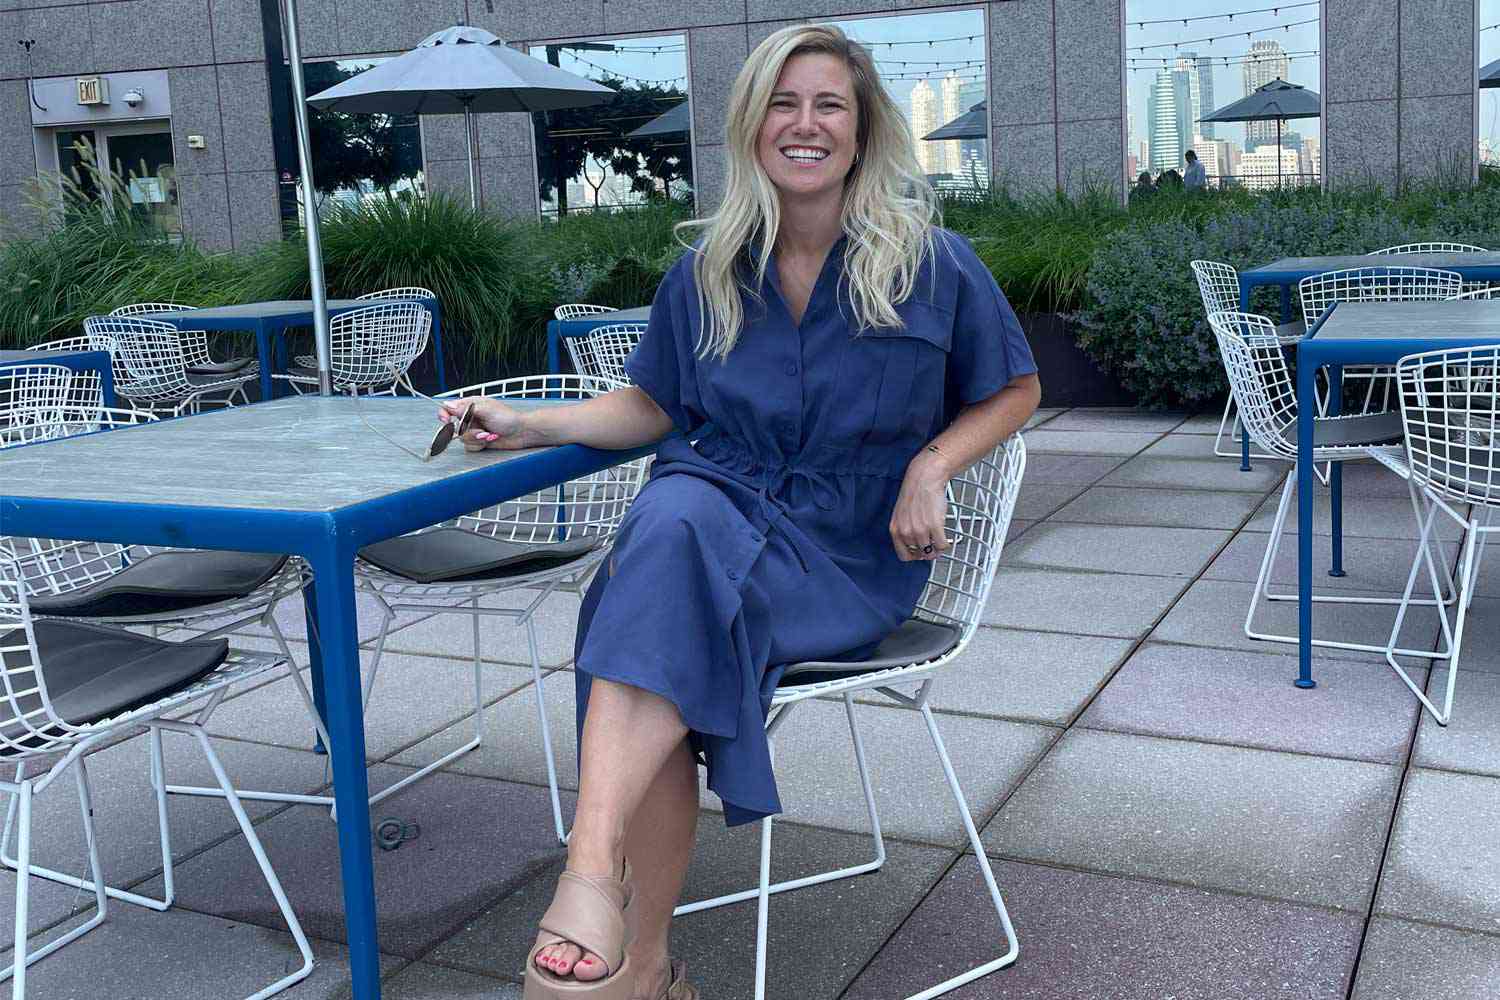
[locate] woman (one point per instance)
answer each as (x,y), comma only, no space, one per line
(837,359)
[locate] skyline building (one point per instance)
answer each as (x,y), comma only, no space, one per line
(949,89)
(924,119)
(1258,168)
(1200,91)
(1169,118)
(1266,61)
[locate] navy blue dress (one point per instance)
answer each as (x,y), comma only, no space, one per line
(766,541)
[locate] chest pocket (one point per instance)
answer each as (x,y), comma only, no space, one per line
(906,368)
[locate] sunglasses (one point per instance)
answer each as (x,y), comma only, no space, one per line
(456,427)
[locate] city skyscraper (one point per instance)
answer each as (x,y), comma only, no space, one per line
(1200,90)
(1169,109)
(924,119)
(1266,61)
(949,88)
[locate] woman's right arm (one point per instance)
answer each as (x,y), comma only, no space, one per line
(624,418)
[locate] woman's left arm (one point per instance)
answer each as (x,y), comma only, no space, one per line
(917,522)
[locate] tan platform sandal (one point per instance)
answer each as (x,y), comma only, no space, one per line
(587,911)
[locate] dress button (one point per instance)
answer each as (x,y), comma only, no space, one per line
(791,367)
(734,574)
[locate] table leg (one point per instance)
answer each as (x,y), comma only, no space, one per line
(263,347)
(1307,408)
(1244,431)
(333,579)
(107,383)
(554,359)
(437,345)
(315,660)
(1336,477)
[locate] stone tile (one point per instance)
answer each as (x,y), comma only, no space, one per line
(517,20)
(1359,139)
(1401,960)
(414,697)
(1377,565)
(204,202)
(709,173)
(1086,936)
(1212,613)
(1038,500)
(819,782)
(1018,527)
(1089,153)
(254,208)
(669,15)
(393,25)
(1443,864)
(64,43)
(512,747)
(1248,699)
(125,807)
(1201,423)
(500,134)
(804,959)
(244,103)
(239,35)
(1021,40)
(1371,479)
(15,119)
(1471,740)
(1041,417)
(1089,77)
(174,955)
(137,33)
(490,836)
(1161,508)
(1437,49)
(1023,158)
(1068,470)
(500,639)
(716,57)
(1364,517)
(1030,676)
(1107,418)
(422,981)
(509,185)
(291,615)
(319,24)
(1446,126)
(48,902)
(1118,604)
(1480,650)
(1185,461)
(1292,827)
(1050,440)
(450,177)
(1181,552)
(195,110)
(1362,58)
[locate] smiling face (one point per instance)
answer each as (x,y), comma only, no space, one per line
(809,137)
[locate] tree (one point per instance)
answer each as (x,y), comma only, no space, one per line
(349,149)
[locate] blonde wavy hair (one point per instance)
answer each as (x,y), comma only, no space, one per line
(888,212)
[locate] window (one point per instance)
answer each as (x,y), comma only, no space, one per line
(138,156)
(1180,70)
(934,66)
(357,157)
(1489,87)
(629,151)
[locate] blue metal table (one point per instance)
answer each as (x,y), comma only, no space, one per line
(269,321)
(557,329)
(1364,333)
(79,361)
(299,475)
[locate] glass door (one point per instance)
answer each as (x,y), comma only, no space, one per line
(148,178)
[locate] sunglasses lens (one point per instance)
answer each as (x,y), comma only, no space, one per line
(440,440)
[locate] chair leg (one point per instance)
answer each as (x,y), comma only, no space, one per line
(763,902)
(1220,448)
(1013,947)
(541,715)
(256,849)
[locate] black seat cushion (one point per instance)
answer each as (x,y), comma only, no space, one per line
(1347,432)
(916,641)
(93,672)
(165,582)
(219,369)
(453,555)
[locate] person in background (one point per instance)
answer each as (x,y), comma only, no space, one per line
(1170,180)
(1144,188)
(1194,178)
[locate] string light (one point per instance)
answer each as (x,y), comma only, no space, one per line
(625,76)
(916,41)
(1230,15)
(1214,38)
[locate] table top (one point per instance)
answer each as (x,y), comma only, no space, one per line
(40,357)
(635,314)
(307,454)
(1465,319)
(1317,265)
(263,310)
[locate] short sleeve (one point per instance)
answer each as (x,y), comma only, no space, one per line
(663,365)
(989,346)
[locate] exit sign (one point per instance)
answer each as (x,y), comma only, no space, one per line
(93,90)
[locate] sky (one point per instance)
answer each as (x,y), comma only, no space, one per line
(1489,51)
(1230,42)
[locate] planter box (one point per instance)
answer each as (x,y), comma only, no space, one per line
(1069,376)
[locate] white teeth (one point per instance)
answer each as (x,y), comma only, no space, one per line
(805,155)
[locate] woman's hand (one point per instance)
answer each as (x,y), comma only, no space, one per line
(917,523)
(495,425)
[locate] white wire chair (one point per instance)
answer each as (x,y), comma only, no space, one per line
(1219,287)
(371,349)
(601,352)
(66,694)
(310,361)
(1375,283)
(151,370)
(1450,402)
(39,402)
(195,353)
(209,593)
(1267,399)
(577,310)
(980,504)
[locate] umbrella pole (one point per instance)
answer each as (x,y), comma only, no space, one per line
(473,161)
(1278,154)
(310,204)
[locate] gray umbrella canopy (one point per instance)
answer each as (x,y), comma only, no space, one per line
(1277,100)
(678,119)
(462,70)
(969,125)
(1489,75)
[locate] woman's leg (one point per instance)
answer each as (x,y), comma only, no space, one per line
(659,844)
(628,735)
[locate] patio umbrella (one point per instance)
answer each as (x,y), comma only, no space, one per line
(677,119)
(1489,75)
(1276,100)
(969,125)
(462,69)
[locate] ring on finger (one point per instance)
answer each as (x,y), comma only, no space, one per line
(927,549)
(913,549)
